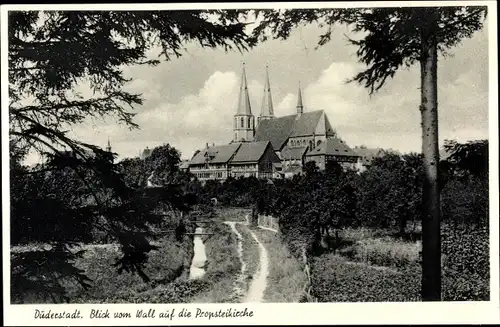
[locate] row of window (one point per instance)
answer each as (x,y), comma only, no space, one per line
(242,122)
(304,142)
(206,175)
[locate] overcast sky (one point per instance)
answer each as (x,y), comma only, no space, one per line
(190,101)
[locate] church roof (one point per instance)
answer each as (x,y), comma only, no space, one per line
(216,154)
(250,151)
(278,130)
(306,123)
(332,146)
(292,153)
(244,107)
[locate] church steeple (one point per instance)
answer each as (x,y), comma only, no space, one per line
(300,106)
(244,107)
(108,147)
(244,123)
(267,110)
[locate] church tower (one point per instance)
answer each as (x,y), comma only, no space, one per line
(244,123)
(267,110)
(300,106)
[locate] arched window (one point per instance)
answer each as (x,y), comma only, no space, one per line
(318,143)
(235,122)
(236,136)
(311,145)
(242,122)
(249,122)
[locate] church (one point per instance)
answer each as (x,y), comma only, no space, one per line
(272,146)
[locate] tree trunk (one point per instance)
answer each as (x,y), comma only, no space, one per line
(431,233)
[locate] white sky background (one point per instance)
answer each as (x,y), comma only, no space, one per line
(190,101)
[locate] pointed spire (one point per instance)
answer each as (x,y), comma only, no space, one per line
(244,99)
(267,109)
(300,106)
(108,148)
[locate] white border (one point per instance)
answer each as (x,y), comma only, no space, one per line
(304,313)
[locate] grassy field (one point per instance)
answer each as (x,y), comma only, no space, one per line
(286,277)
(375,265)
(334,279)
(166,264)
(167,268)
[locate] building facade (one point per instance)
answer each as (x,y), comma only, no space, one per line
(237,159)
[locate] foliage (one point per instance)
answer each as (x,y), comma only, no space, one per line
(470,157)
(466,263)
(394,38)
(390,192)
(368,210)
(335,280)
(65,68)
(286,280)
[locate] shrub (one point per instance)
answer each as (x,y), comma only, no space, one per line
(466,268)
(333,280)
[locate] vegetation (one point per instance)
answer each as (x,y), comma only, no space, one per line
(286,278)
(66,67)
(394,38)
(374,218)
(223,267)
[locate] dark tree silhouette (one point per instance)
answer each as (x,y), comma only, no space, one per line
(66,67)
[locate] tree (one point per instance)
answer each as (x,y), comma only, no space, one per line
(393,38)
(390,192)
(66,67)
(470,157)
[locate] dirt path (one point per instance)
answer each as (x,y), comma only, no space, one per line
(240,281)
(259,281)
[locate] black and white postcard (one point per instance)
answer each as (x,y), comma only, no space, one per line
(250,163)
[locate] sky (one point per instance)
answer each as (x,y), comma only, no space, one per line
(190,101)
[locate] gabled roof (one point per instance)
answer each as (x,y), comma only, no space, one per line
(275,130)
(251,152)
(293,153)
(306,124)
(333,146)
(215,154)
(278,130)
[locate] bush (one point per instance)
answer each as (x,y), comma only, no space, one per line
(384,251)
(466,268)
(334,280)
(466,202)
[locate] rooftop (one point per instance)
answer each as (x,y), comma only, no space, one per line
(251,151)
(333,146)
